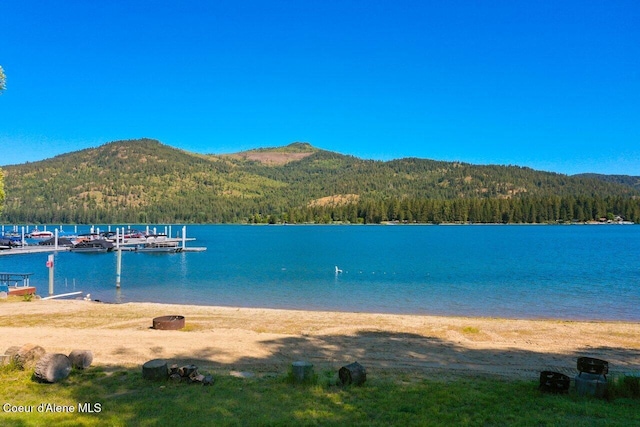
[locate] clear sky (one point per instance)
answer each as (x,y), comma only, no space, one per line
(550,84)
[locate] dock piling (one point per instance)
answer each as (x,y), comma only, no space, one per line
(50,266)
(118,258)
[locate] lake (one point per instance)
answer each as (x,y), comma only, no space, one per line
(575,272)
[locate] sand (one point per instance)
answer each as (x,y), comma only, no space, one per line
(264,341)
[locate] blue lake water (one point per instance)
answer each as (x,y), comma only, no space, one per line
(565,272)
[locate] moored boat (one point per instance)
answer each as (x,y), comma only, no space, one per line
(93,246)
(40,234)
(160,247)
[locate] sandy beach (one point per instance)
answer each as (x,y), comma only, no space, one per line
(263,341)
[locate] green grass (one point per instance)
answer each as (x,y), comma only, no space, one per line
(126,399)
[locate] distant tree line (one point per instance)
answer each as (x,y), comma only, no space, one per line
(524,210)
(543,210)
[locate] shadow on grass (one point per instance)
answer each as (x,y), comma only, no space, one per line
(424,357)
(403,387)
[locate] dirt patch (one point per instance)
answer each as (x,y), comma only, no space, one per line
(335,200)
(272,158)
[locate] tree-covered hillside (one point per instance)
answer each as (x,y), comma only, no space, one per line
(146,181)
(631,181)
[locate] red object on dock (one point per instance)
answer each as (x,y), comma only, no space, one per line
(22,290)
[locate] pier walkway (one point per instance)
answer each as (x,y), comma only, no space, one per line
(35,249)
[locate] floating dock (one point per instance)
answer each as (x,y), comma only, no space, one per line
(33,249)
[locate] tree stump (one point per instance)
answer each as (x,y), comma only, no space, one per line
(155,369)
(302,371)
(353,373)
(591,384)
(81,359)
(52,367)
(28,356)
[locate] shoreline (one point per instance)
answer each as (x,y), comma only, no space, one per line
(262,341)
(383,313)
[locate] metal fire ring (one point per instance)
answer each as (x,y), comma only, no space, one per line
(168,322)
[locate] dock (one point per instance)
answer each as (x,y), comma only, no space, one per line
(16,283)
(123,243)
(34,249)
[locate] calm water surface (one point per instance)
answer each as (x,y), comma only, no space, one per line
(567,272)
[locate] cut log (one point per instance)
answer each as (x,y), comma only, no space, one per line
(12,351)
(28,355)
(187,371)
(208,380)
(175,377)
(353,373)
(173,369)
(195,377)
(155,369)
(52,367)
(81,359)
(10,354)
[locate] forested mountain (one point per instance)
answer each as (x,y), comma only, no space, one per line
(631,181)
(148,182)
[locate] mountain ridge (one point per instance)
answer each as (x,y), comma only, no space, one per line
(146,181)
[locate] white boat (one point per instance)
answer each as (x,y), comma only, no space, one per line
(40,234)
(160,247)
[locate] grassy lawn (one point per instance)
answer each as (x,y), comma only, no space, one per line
(123,398)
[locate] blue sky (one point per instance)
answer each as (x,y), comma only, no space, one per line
(553,85)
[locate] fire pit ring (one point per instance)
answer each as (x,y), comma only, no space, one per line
(166,323)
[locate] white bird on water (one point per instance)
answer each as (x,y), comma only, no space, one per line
(338,270)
